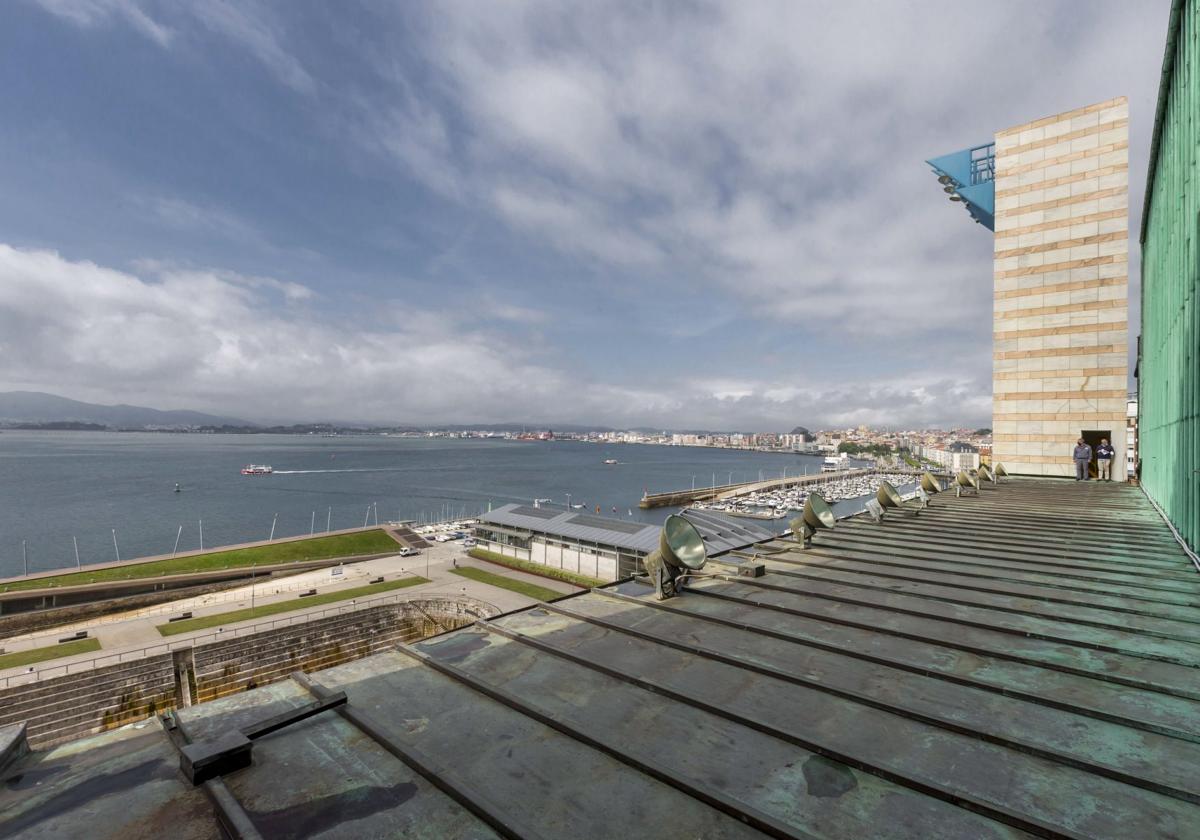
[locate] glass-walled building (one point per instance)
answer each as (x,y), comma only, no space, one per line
(1169,358)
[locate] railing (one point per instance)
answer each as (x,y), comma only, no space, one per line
(983,164)
(28,641)
(50,671)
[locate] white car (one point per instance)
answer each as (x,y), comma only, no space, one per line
(408,552)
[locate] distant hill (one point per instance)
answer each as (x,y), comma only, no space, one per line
(25,408)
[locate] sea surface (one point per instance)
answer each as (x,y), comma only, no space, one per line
(55,486)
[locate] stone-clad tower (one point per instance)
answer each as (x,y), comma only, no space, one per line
(1059,207)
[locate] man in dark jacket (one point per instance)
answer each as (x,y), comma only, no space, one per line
(1104,459)
(1082,456)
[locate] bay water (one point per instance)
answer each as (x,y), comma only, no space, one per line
(55,486)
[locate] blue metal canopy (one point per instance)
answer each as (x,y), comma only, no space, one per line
(968,177)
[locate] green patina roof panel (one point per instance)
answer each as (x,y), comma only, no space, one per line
(1021,662)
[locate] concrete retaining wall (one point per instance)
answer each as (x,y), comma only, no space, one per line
(72,706)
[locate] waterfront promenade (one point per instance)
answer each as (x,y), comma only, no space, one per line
(126,634)
(199,552)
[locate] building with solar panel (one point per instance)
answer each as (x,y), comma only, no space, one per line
(596,546)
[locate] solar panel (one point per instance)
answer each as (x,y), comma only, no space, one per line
(606,524)
(536,513)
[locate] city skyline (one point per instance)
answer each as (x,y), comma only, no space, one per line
(479,215)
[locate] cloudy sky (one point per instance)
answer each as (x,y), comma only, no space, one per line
(688,216)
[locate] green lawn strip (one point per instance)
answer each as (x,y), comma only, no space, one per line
(529,590)
(234,616)
(317,548)
(29,657)
(535,568)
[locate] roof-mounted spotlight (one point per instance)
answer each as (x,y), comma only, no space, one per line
(930,484)
(680,550)
(1000,471)
(945,179)
(985,474)
(949,188)
(964,482)
(817,514)
(956,197)
(886,496)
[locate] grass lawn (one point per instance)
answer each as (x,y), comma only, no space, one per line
(535,568)
(234,616)
(317,548)
(29,657)
(529,590)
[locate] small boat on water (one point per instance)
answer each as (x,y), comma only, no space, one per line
(257,469)
(610,460)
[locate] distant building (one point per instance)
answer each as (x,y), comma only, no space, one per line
(954,457)
(797,438)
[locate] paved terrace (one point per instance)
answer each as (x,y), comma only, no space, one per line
(1021,663)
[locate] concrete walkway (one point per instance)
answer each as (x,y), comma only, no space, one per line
(131,632)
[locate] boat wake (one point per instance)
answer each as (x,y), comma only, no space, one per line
(358,470)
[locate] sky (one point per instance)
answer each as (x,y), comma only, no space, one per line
(672,215)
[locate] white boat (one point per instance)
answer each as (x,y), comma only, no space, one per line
(257,469)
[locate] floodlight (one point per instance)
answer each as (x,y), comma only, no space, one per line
(817,514)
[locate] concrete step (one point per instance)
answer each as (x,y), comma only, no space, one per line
(262,668)
(64,702)
(100,676)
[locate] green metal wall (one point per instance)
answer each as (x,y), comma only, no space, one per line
(1169,363)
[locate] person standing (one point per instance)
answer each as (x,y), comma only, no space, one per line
(1082,456)
(1104,456)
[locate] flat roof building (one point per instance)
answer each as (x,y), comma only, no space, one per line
(599,547)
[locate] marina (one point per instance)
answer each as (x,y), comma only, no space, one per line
(779,501)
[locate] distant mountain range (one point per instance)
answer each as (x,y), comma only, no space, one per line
(33,408)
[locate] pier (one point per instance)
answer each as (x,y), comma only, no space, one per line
(682,498)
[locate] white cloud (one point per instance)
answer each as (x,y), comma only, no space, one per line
(89,13)
(214,340)
(249,25)
(257,30)
(769,151)
(763,159)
